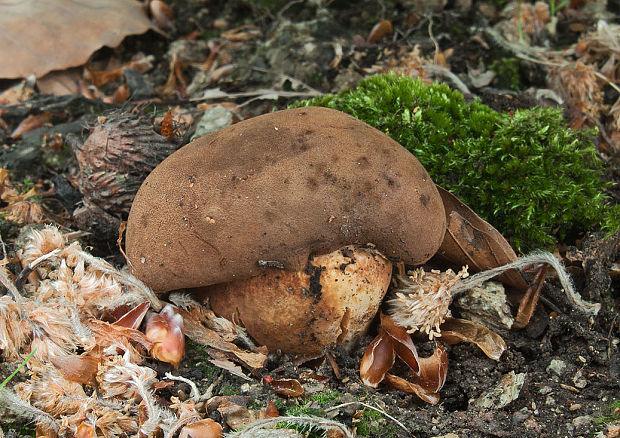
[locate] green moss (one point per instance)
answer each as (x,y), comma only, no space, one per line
(372,423)
(526,173)
(507,70)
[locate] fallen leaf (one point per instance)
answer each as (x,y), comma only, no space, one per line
(286,387)
(455,330)
(472,241)
(133,318)
(30,123)
(39,36)
(379,31)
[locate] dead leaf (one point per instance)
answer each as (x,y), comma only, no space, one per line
(455,330)
(30,123)
(81,369)
(286,387)
(133,318)
(60,83)
(379,31)
(162,14)
(472,241)
(39,36)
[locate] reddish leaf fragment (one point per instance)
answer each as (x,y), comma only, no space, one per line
(455,330)
(286,387)
(377,360)
(406,386)
(379,31)
(167,126)
(134,317)
(30,123)
(403,344)
(433,370)
(162,14)
(271,410)
(81,369)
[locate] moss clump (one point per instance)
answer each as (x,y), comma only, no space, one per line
(507,70)
(526,173)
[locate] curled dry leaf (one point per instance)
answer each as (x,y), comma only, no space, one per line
(162,14)
(165,331)
(455,330)
(286,387)
(30,123)
(472,241)
(379,31)
(377,360)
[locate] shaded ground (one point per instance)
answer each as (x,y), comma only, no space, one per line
(569,365)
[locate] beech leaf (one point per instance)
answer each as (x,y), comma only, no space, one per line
(39,36)
(472,241)
(455,330)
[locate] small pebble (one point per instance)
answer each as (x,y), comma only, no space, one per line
(574,407)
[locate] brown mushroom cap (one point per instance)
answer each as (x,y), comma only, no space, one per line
(333,300)
(274,189)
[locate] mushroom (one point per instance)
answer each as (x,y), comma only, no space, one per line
(262,203)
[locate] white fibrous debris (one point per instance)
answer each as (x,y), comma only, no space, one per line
(421,300)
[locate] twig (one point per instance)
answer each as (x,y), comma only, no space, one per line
(439,70)
(23,275)
(402,426)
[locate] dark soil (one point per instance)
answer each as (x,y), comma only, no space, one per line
(569,363)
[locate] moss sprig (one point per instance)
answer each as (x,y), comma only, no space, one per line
(526,172)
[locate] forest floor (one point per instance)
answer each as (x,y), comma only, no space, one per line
(224,61)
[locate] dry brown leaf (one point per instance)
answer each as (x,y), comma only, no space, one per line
(81,369)
(286,387)
(39,36)
(455,330)
(60,83)
(197,332)
(472,241)
(379,31)
(30,123)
